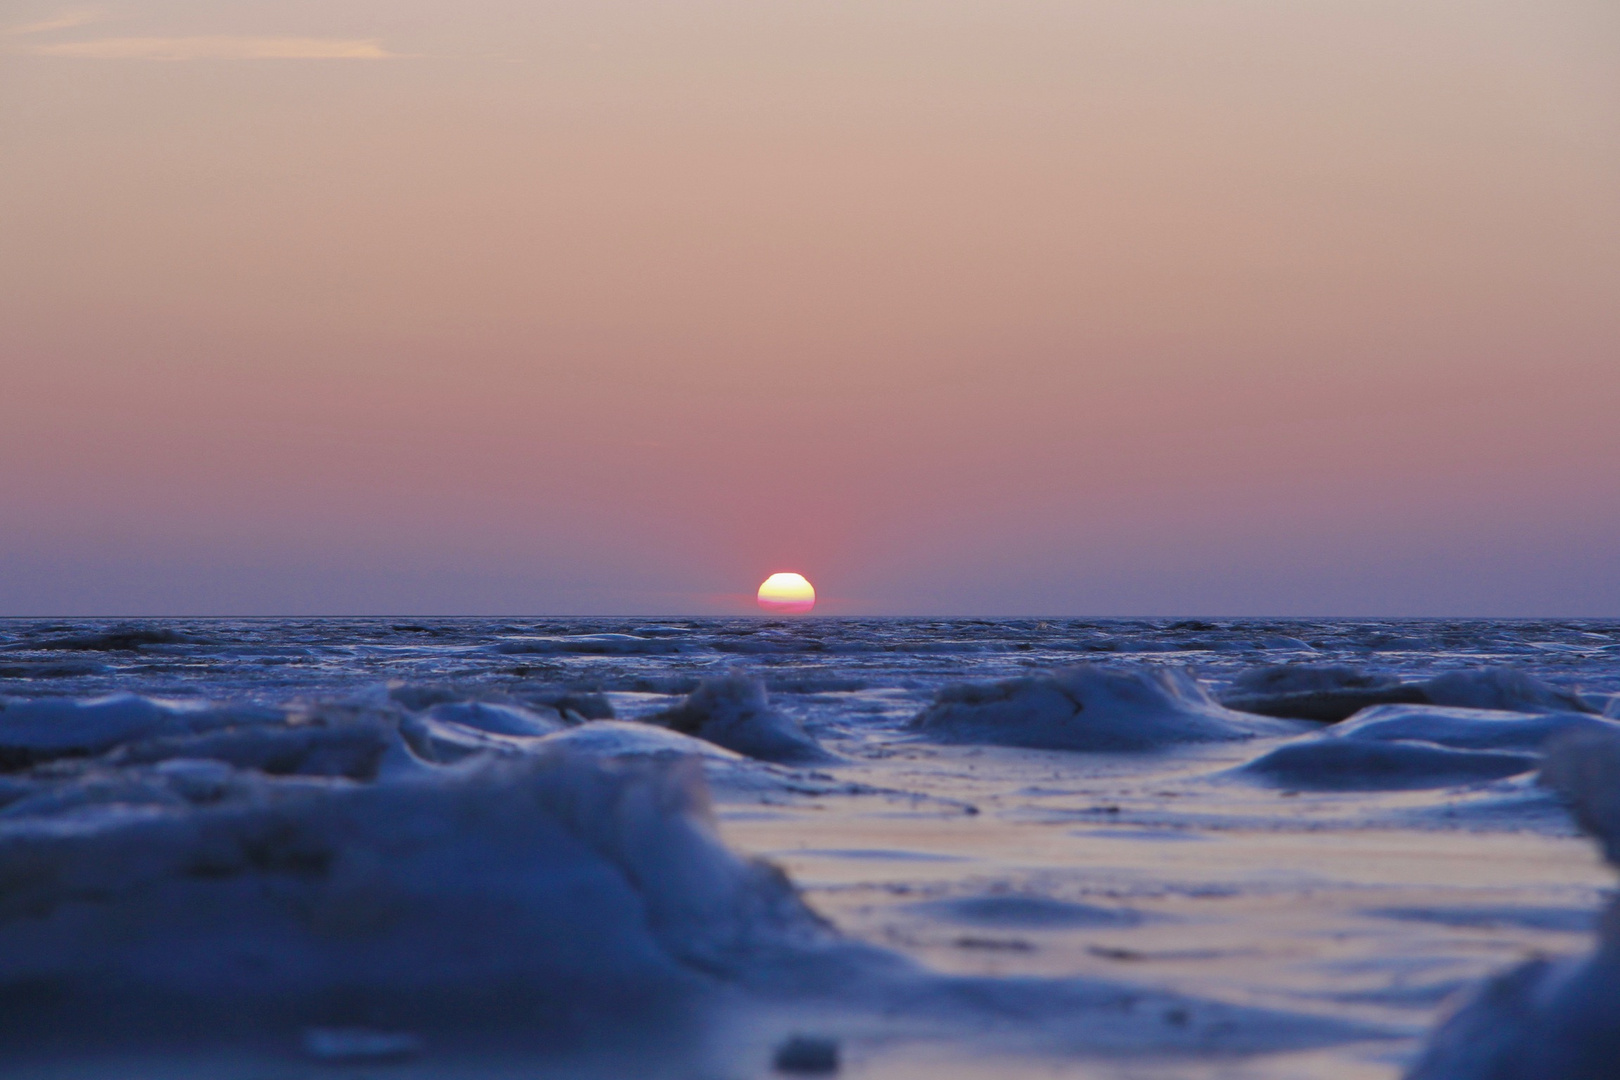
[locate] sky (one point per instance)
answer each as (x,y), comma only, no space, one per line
(996,307)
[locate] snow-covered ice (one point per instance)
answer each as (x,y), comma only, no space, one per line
(955,848)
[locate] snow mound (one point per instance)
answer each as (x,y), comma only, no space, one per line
(41,729)
(734,712)
(1090,708)
(1549,1019)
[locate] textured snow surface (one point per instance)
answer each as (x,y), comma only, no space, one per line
(948,848)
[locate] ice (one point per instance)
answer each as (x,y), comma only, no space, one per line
(1302,678)
(337,742)
(1326,693)
(1403,747)
(1026,912)
(587,644)
(41,729)
(1328,764)
(554,896)
(554,888)
(329,839)
(734,712)
(1501,688)
(1331,693)
(1549,1019)
(1472,729)
(497,719)
(1087,707)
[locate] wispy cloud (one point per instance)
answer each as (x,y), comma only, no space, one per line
(65,21)
(219,48)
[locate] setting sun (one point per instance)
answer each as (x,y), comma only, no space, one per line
(787,594)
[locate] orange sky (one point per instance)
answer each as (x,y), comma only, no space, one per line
(1000,307)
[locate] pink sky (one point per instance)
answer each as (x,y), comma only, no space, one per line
(1126,307)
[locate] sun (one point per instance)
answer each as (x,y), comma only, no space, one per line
(787,594)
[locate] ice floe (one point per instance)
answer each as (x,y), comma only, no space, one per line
(1088,707)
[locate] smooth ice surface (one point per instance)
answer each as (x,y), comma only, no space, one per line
(380,809)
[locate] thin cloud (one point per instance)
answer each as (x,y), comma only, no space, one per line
(65,21)
(219,48)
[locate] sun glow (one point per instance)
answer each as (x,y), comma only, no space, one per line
(787,594)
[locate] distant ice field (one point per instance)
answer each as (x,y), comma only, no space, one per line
(947,847)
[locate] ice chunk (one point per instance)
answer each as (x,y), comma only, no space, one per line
(1468,729)
(734,712)
(1396,747)
(1549,1019)
(1090,708)
(1501,688)
(548,892)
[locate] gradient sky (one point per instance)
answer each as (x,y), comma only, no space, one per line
(962,306)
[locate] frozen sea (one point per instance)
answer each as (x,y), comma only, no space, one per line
(290,848)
